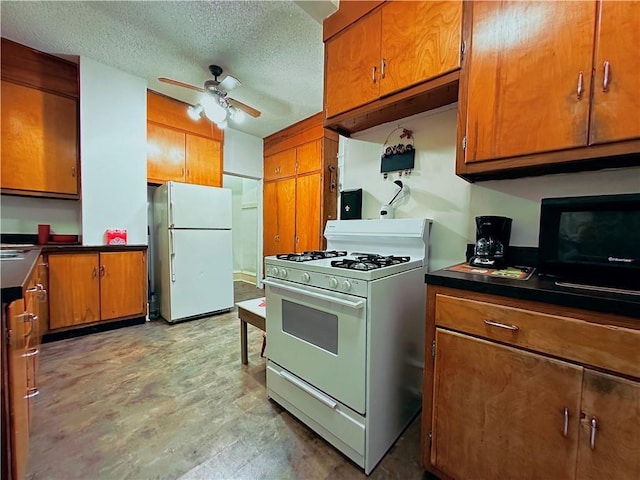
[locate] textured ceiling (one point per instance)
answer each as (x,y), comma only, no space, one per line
(273,47)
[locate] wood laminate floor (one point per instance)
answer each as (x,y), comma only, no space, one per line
(173,401)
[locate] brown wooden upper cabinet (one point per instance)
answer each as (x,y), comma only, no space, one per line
(300,189)
(178,148)
(40,123)
(395,46)
(547,83)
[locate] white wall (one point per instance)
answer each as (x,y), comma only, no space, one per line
(242,154)
(113,133)
(434,191)
(23,214)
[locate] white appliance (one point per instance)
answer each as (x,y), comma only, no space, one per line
(345,350)
(193,250)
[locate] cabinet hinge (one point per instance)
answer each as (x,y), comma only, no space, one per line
(464,142)
(463,47)
(433,349)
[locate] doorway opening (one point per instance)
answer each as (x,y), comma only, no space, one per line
(246,215)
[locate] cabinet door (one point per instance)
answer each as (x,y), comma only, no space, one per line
(308,194)
(614,403)
(203,160)
(499,412)
(19,405)
(352,66)
(614,114)
(39,140)
(309,157)
(528,61)
(279,216)
(165,154)
(74,290)
(122,284)
(280,165)
(420,40)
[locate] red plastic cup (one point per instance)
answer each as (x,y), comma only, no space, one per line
(43,234)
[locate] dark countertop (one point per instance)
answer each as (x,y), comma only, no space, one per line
(15,273)
(540,289)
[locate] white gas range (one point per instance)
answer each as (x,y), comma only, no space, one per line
(346,333)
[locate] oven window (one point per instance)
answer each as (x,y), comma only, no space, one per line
(314,326)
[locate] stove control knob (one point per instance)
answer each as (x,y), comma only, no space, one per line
(306,277)
(283,272)
(346,285)
(333,283)
(273,271)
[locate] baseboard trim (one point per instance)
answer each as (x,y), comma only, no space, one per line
(96,328)
(245,277)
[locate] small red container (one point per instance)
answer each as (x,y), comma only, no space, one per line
(116,236)
(43,234)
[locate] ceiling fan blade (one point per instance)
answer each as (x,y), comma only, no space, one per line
(229,83)
(180,84)
(245,108)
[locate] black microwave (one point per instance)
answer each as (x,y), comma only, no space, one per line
(593,240)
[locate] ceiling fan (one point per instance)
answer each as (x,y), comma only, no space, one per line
(216,104)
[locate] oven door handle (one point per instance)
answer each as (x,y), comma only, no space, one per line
(321,397)
(321,296)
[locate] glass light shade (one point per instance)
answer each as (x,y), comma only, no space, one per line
(222,125)
(213,110)
(237,115)
(194,111)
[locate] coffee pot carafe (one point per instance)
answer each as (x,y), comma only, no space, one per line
(492,242)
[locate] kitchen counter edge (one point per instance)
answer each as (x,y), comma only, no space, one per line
(15,273)
(539,289)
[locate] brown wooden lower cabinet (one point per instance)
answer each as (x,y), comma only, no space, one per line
(86,288)
(501,402)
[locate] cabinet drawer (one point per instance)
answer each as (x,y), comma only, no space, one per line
(336,423)
(606,346)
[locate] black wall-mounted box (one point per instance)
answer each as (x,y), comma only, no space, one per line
(351,204)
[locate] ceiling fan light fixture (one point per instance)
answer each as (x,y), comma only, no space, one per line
(237,115)
(213,110)
(195,112)
(222,125)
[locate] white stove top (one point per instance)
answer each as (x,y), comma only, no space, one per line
(324,266)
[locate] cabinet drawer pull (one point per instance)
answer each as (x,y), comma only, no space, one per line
(31,353)
(373,74)
(565,431)
(594,429)
(579,91)
(28,317)
(605,81)
(32,392)
(502,325)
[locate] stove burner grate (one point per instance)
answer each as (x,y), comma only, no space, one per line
(367,261)
(311,255)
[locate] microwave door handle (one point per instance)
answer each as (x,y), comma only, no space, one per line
(320,296)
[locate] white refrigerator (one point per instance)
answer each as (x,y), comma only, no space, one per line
(193,258)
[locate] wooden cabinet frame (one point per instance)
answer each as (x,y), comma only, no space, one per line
(589,156)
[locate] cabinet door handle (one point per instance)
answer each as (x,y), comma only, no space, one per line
(594,429)
(513,328)
(565,430)
(580,79)
(605,81)
(73,171)
(32,392)
(31,353)
(94,272)
(29,317)
(373,74)
(383,63)
(102,270)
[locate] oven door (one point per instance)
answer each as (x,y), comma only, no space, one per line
(320,336)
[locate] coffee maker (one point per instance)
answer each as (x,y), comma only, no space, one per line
(492,242)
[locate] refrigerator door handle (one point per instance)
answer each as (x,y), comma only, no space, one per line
(172,219)
(171,255)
